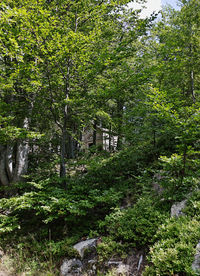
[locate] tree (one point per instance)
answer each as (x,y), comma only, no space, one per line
(48,55)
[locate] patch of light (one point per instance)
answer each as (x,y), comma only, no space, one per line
(151,6)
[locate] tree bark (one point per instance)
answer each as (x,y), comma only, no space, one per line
(63,151)
(94,139)
(120,106)
(9,162)
(62,154)
(3,175)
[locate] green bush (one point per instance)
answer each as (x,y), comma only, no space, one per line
(109,248)
(136,225)
(193,205)
(175,247)
(178,179)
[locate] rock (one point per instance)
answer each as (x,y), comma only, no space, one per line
(71,267)
(114,263)
(123,269)
(82,246)
(120,268)
(157,178)
(196,263)
(176,209)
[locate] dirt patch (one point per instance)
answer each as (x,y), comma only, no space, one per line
(3,273)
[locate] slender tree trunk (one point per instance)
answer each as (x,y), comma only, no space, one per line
(21,163)
(120,106)
(63,150)
(94,133)
(3,175)
(191,68)
(110,138)
(192,85)
(63,154)
(69,146)
(9,162)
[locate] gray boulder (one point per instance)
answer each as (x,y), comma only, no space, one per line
(82,246)
(176,209)
(196,263)
(71,267)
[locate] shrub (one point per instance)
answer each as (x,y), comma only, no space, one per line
(175,247)
(109,248)
(193,205)
(136,225)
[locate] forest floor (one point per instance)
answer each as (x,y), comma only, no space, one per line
(3,273)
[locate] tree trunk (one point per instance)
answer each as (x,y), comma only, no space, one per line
(3,175)
(192,85)
(62,154)
(120,106)
(110,138)
(9,162)
(70,146)
(21,161)
(14,163)
(94,138)
(64,135)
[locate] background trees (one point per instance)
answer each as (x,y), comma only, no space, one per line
(71,65)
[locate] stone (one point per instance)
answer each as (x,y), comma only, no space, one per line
(176,209)
(71,267)
(123,269)
(82,246)
(119,267)
(196,263)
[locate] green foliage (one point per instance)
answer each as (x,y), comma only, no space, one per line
(193,205)
(109,248)
(136,225)
(90,196)
(175,247)
(31,256)
(94,61)
(178,177)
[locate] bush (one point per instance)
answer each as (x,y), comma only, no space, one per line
(175,247)
(109,248)
(136,225)
(193,206)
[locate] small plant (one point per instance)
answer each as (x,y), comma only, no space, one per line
(109,248)
(177,178)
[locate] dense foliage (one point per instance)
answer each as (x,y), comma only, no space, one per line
(69,68)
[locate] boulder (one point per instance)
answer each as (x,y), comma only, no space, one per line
(71,267)
(84,246)
(196,263)
(176,209)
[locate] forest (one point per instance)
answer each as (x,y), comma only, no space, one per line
(99,139)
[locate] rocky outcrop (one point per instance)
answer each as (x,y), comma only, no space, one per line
(88,262)
(176,209)
(76,266)
(84,246)
(196,263)
(71,267)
